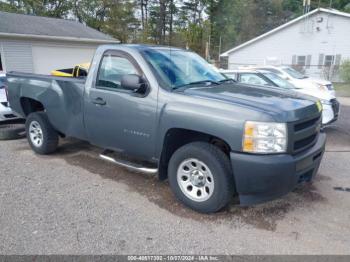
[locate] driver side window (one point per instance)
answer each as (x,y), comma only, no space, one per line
(111,71)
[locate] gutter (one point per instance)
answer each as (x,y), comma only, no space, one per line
(60,38)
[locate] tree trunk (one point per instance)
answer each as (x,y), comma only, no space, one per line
(171,21)
(146,11)
(142,15)
(161,22)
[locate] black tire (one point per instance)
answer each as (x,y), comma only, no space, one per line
(12,131)
(48,134)
(220,168)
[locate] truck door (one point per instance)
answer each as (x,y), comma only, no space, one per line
(116,118)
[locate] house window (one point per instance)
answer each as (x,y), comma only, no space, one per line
(301,60)
(329,60)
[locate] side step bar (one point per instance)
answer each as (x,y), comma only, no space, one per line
(106,155)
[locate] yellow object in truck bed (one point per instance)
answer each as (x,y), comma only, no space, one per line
(79,70)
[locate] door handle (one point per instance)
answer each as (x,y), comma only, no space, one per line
(99,101)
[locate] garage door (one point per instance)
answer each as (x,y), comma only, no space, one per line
(18,56)
(50,57)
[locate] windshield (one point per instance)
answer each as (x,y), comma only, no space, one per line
(294,73)
(178,68)
(279,81)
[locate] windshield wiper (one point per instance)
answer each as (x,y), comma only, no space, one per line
(207,82)
(210,82)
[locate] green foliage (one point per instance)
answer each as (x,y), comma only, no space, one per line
(9,7)
(120,21)
(345,70)
(52,8)
(336,4)
(196,24)
(195,36)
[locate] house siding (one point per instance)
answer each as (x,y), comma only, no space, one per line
(321,35)
(51,56)
(41,57)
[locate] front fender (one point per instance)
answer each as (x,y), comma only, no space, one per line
(220,120)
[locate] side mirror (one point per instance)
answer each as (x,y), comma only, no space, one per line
(134,83)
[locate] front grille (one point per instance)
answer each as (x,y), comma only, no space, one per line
(335,107)
(304,134)
(304,142)
(306,124)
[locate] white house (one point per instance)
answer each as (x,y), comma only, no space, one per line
(36,44)
(316,43)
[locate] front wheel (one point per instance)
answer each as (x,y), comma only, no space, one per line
(41,136)
(200,176)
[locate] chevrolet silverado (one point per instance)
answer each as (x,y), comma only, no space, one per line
(170,112)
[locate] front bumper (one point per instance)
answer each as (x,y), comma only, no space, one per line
(330,112)
(260,178)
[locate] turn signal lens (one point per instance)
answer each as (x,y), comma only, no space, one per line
(248,145)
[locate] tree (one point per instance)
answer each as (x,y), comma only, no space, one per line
(202,25)
(92,12)
(224,17)
(52,8)
(120,21)
(345,70)
(11,6)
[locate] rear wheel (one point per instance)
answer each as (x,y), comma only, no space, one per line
(200,176)
(41,136)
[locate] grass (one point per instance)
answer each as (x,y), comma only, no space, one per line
(342,89)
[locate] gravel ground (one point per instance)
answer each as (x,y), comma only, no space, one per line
(74,203)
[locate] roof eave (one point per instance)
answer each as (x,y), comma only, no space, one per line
(60,38)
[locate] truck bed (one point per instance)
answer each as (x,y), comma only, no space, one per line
(62,98)
(49,77)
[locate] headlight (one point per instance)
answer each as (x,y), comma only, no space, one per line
(325,102)
(265,138)
(322,87)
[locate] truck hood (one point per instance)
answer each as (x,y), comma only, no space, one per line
(282,105)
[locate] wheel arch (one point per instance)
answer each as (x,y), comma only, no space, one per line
(30,105)
(175,138)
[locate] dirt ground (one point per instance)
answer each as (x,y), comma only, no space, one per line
(72,202)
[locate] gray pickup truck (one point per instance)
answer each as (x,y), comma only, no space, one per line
(174,115)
